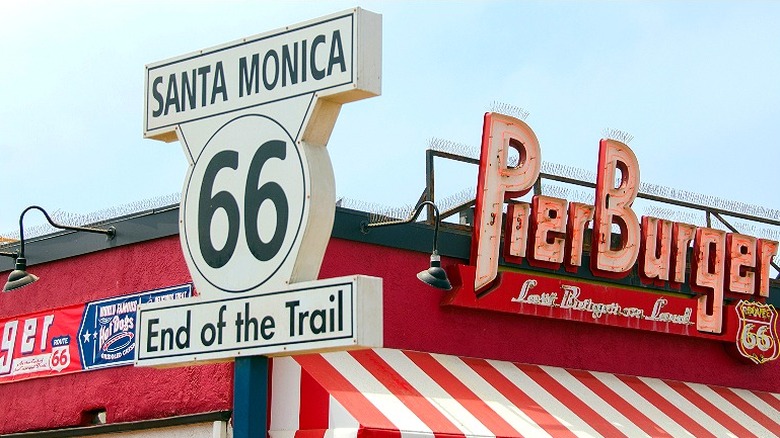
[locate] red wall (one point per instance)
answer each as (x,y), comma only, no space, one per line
(126,393)
(413,320)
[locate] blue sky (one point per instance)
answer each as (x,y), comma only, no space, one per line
(695,83)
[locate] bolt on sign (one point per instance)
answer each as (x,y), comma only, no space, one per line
(254,117)
(729,272)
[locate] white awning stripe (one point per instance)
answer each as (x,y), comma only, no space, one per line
(731,410)
(342,432)
(636,400)
(522,423)
(686,406)
(340,418)
(546,400)
(435,394)
(421,395)
(594,401)
(285,388)
(377,393)
(753,400)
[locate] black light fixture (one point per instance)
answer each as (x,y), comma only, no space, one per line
(19,277)
(435,275)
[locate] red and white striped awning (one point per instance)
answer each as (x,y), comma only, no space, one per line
(385,392)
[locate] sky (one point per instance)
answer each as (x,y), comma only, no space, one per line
(696,85)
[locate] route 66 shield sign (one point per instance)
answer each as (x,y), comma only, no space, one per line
(757,337)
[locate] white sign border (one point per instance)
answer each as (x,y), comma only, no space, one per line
(365,67)
(367,329)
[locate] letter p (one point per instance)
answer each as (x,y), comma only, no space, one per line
(498,181)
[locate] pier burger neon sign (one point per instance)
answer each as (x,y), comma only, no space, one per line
(551,233)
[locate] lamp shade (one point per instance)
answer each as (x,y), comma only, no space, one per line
(19,277)
(435,275)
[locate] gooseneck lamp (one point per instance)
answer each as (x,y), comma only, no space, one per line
(435,275)
(19,277)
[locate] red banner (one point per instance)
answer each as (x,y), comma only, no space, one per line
(81,337)
(40,344)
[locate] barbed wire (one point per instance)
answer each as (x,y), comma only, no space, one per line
(94,218)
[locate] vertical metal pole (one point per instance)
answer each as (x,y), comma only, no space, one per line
(250,397)
(429,183)
(538,187)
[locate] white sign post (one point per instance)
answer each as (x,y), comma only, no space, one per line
(253,117)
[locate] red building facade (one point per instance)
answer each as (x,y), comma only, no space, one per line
(146,255)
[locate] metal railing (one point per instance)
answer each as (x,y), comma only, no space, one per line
(710,212)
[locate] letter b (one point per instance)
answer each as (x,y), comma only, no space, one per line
(613,206)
